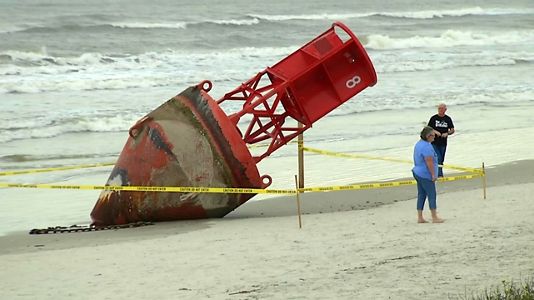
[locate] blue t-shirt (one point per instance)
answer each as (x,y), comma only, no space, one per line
(421,150)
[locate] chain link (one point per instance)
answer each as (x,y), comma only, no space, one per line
(82,228)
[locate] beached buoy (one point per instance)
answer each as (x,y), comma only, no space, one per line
(189,141)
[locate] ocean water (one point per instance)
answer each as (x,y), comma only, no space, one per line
(76,75)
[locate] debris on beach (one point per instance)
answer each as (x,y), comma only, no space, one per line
(189,141)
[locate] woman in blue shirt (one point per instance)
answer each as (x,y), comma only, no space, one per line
(425,172)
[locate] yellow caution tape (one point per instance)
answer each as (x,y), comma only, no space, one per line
(472,170)
(44,170)
(337,154)
(227,190)
(461,177)
(378,185)
(221,190)
(476,173)
(361,186)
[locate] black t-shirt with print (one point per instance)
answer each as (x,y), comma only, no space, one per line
(441,124)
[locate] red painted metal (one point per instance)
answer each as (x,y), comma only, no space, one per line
(303,87)
(190,141)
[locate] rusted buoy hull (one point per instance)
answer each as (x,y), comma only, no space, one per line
(186,142)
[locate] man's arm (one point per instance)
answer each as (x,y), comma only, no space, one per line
(451,127)
(432,123)
(446,134)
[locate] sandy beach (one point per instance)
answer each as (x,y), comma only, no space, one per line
(376,251)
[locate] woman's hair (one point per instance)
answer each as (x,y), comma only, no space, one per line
(425,132)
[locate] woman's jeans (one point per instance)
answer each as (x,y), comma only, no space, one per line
(425,188)
(440,151)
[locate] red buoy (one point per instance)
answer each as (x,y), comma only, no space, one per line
(190,141)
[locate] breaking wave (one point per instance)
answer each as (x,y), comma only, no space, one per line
(246,21)
(254,19)
(35,72)
(449,38)
(418,14)
(55,126)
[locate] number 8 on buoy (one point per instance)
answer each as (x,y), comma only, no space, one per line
(351,83)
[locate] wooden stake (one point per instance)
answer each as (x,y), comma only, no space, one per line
(298,200)
(301,157)
(484,182)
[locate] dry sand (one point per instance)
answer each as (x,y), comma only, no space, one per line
(376,251)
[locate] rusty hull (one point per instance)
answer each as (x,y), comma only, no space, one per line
(186,142)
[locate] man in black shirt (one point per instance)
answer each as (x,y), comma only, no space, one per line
(443,127)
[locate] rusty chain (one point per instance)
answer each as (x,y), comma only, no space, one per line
(85,228)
